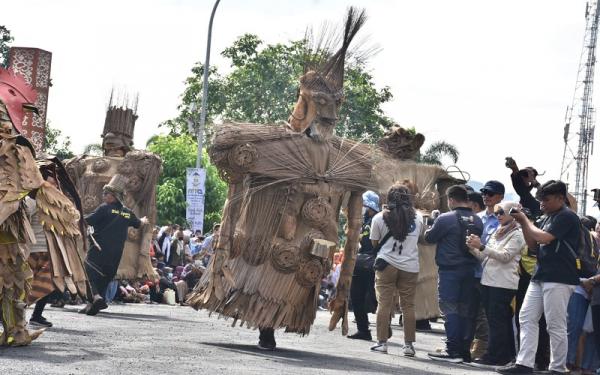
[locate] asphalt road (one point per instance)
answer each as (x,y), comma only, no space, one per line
(160,339)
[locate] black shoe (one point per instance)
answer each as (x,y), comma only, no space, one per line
(96,305)
(84,310)
(266,339)
(40,321)
(466,357)
(446,357)
(423,325)
(486,362)
(102,305)
(515,369)
(360,335)
(266,345)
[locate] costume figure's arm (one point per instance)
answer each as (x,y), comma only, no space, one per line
(339,304)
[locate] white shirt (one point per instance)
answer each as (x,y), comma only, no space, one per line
(406,259)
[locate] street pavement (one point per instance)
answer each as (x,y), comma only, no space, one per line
(161,339)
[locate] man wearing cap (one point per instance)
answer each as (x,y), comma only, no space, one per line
(492,193)
(362,289)
(111,221)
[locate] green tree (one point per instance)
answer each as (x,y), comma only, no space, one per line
(179,153)
(5,40)
(436,152)
(262,87)
(57,144)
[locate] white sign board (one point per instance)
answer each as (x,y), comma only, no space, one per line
(194,196)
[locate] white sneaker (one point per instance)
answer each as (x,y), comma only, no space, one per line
(409,350)
(379,348)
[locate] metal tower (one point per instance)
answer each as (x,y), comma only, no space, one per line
(580,145)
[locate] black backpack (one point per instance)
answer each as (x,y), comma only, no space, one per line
(587,253)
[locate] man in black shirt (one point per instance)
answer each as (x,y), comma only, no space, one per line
(554,279)
(111,221)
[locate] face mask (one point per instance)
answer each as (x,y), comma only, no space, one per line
(364,211)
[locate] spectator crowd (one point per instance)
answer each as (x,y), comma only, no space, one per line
(518,282)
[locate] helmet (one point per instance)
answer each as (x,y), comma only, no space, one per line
(371,200)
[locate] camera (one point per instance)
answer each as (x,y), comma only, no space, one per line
(514,210)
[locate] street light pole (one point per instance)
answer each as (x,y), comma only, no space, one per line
(200,133)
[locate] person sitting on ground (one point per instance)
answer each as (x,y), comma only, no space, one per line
(499,283)
(395,232)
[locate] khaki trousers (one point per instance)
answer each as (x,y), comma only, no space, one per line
(386,283)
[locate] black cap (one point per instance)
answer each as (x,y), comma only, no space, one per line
(493,186)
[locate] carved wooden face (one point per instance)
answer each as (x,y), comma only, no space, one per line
(317,107)
(115,145)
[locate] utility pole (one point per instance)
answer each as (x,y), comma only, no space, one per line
(578,149)
(200,130)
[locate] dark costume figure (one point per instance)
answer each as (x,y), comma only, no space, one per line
(57,257)
(111,222)
(362,289)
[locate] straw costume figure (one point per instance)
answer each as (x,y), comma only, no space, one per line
(19,176)
(287,186)
(138,169)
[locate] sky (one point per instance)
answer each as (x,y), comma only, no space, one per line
(493,78)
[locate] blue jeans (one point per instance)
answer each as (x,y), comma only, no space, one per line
(111,291)
(578,307)
(456,289)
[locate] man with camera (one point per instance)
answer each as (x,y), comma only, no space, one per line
(556,239)
(456,272)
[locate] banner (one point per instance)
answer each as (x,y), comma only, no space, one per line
(194,196)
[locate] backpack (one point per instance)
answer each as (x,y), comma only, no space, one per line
(586,255)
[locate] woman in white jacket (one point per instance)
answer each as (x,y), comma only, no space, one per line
(499,283)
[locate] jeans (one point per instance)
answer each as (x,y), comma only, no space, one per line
(497,304)
(360,290)
(111,291)
(576,311)
(552,300)
(456,289)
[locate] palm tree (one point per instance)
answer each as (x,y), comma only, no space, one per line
(436,151)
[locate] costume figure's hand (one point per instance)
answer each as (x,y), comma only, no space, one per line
(338,306)
(144,220)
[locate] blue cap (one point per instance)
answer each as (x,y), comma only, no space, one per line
(371,200)
(493,186)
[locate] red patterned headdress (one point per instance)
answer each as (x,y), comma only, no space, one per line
(17,96)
